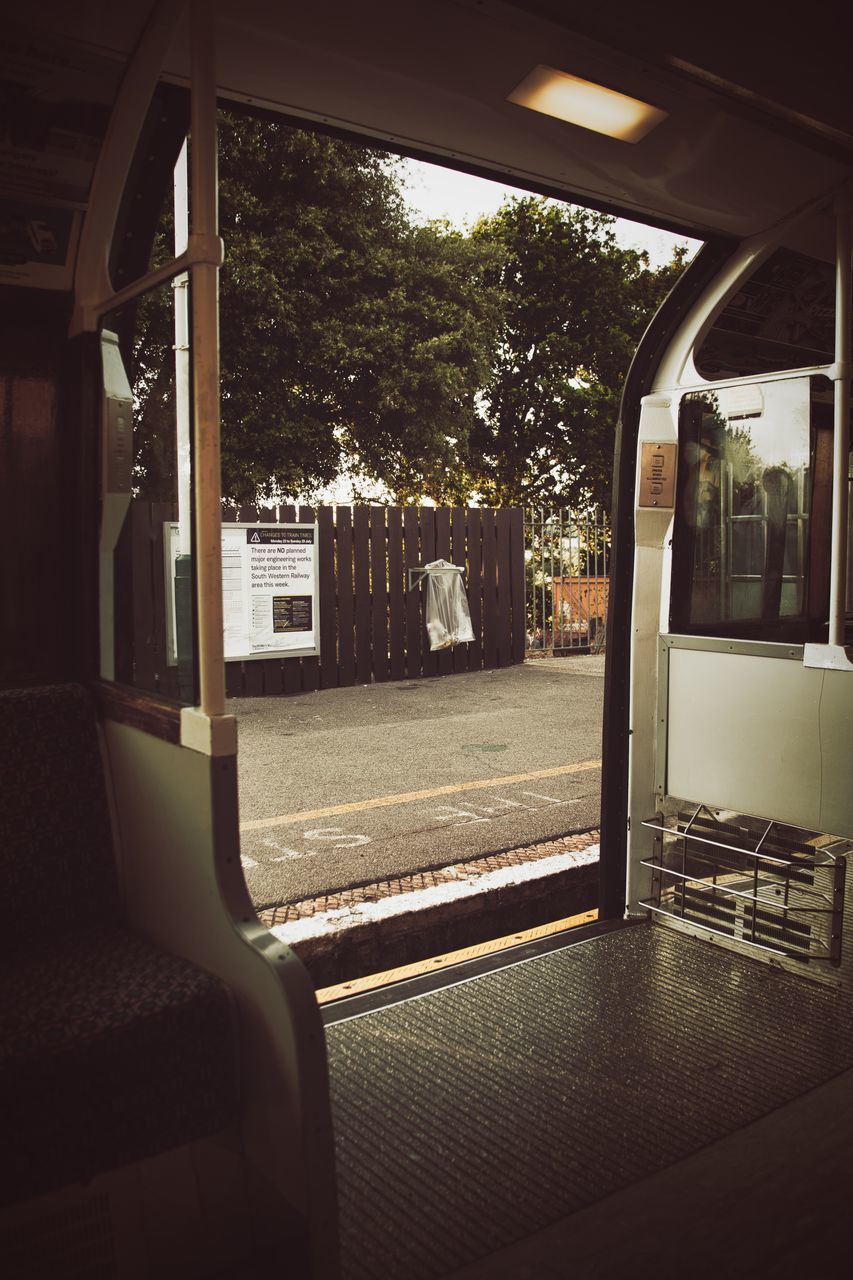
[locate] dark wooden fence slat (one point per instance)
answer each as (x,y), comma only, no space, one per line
(504,585)
(379,592)
(326,602)
(396,595)
(516,572)
(414,629)
(310,666)
(292,675)
(428,553)
(490,600)
(442,552)
(459,555)
(346,608)
(473,521)
(361,557)
(233,679)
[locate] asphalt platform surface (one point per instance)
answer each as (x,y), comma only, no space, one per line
(344,787)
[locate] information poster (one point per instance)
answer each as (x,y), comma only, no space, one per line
(269,590)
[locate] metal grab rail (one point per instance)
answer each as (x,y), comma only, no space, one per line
(702,886)
(786,901)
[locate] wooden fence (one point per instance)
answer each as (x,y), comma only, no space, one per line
(372,628)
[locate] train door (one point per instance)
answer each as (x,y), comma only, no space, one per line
(742,685)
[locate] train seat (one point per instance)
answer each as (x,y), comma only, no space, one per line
(113,1049)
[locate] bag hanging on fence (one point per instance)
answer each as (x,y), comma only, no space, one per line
(448,619)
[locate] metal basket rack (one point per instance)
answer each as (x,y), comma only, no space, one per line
(768,885)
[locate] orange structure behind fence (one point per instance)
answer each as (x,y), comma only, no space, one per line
(566,579)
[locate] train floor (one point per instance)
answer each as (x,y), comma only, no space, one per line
(637,1103)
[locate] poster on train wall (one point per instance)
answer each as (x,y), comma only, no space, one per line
(269,590)
(37,244)
(55,104)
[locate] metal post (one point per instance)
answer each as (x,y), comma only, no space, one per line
(528,534)
(205,327)
(841,450)
(183,558)
(542,569)
(562,592)
(180,286)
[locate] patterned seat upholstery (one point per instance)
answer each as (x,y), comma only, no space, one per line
(111,1049)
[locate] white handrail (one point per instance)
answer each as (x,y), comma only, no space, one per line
(841,447)
(181,287)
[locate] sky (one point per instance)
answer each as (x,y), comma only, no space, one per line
(434,192)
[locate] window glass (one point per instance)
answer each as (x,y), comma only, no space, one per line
(147,597)
(783,317)
(742,515)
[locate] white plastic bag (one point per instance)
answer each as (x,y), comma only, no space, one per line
(448,619)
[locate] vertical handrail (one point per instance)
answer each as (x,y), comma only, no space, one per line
(205,328)
(557,594)
(841,440)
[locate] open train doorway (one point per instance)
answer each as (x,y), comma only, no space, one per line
(406,792)
(421,373)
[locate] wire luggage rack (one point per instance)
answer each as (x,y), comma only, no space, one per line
(766,884)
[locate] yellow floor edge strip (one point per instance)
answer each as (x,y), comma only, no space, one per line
(357,986)
(408,797)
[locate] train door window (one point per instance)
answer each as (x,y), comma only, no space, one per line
(783,317)
(741,554)
(147,614)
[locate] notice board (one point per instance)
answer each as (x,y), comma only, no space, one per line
(270,574)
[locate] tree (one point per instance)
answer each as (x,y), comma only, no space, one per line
(575,307)
(350,338)
(441,364)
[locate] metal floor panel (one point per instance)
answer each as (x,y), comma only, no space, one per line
(468,1118)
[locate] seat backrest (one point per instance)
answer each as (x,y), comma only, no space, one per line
(57,870)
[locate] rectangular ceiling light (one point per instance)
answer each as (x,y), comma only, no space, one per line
(556,93)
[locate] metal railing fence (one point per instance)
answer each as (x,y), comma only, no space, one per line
(566,581)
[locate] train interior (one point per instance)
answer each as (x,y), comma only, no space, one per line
(666,1092)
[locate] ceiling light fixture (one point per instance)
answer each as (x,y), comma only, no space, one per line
(567,97)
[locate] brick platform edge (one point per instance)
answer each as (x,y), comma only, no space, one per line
(337,942)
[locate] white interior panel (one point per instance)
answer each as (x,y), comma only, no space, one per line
(836,738)
(744,734)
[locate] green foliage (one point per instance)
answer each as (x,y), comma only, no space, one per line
(441,364)
(350,338)
(575,307)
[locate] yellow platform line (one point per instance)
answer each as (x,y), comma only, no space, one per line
(355,986)
(409,797)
